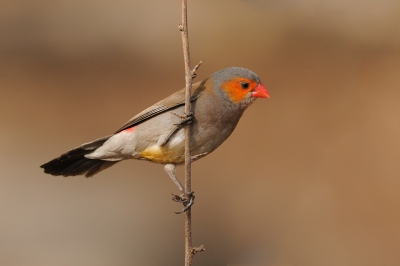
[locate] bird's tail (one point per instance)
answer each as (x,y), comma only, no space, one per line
(74,161)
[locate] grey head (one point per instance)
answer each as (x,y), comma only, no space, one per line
(229,73)
(223,76)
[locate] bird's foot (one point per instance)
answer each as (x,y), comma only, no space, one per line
(186,199)
(186,119)
(198,156)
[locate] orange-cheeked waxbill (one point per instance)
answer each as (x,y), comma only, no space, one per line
(157,135)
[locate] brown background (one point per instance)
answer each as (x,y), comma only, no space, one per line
(310,176)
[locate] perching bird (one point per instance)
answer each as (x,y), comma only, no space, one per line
(156,134)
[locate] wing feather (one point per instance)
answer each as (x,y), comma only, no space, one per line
(175,100)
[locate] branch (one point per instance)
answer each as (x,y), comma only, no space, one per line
(190,251)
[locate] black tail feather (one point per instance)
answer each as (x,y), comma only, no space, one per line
(74,161)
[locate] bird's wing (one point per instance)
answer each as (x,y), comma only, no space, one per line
(171,102)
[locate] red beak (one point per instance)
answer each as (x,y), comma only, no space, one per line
(260,92)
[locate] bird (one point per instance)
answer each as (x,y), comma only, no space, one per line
(156,134)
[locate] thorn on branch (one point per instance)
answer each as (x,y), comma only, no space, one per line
(195,250)
(194,71)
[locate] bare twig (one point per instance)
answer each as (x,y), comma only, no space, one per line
(198,249)
(194,71)
(190,251)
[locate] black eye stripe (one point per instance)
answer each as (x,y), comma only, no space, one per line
(245,85)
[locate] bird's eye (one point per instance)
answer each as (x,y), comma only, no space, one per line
(245,85)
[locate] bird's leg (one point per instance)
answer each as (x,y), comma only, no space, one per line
(198,156)
(166,139)
(170,169)
(186,119)
(186,199)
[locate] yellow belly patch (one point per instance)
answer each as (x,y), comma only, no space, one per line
(163,155)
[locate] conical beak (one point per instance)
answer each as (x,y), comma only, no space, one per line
(260,92)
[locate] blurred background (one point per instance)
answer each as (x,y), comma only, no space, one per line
(310,176)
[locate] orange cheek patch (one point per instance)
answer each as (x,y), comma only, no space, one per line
(234,89)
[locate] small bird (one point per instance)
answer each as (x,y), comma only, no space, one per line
(156,134)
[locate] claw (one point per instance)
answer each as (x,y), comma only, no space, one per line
(179,198)
(186,199)
(186,120)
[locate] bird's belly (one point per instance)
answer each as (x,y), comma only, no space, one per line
(171,152)
(204,139)
(162,155)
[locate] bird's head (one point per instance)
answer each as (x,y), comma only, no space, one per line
(241,86)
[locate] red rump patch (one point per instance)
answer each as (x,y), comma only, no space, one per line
(129,129)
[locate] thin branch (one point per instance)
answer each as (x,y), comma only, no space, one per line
(194,71)
(190,251)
